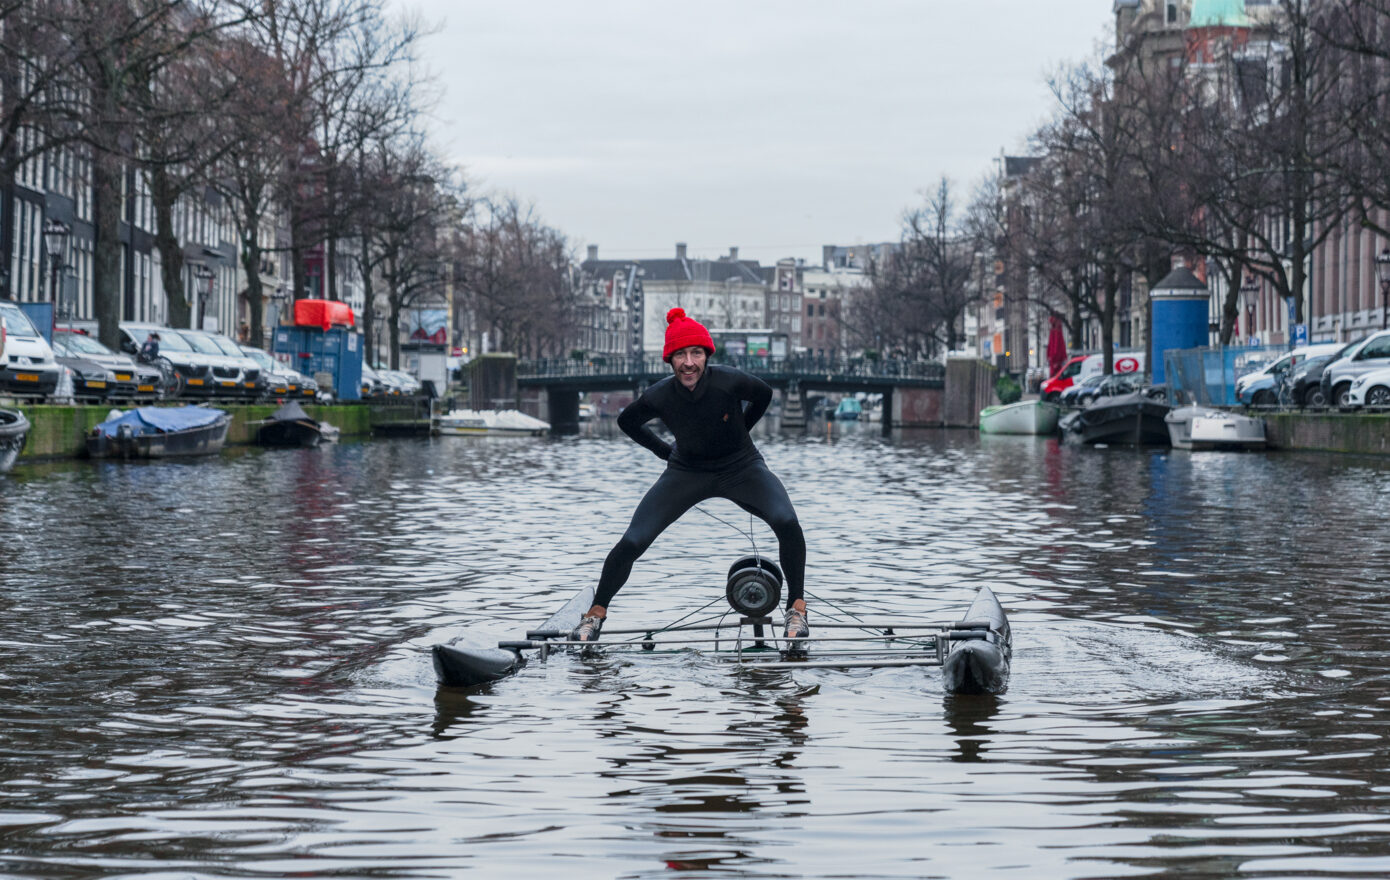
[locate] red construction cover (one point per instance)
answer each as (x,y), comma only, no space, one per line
(322,313)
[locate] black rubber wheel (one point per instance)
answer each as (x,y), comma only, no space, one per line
(753,562)
(1315,397)
(753,592)
(1339,394)
(1264,397)
(1378,396)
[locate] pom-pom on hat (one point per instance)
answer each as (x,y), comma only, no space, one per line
(682,331)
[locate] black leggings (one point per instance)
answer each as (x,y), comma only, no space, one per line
(751,486)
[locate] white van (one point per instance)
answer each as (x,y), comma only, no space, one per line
(28,367)
(1078,368)
(1125,362)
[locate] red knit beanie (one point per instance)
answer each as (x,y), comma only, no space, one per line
(682,331)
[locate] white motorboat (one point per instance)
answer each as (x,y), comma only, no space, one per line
(1202,427)
(1024,417)
(503,422)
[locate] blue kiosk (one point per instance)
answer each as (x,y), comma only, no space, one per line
(1179,306)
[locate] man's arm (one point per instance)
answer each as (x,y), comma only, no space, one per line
(758,394)
(633,419)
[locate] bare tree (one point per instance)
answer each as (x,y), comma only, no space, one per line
(250,166)
(515,274)
(1089,195)
(1263,135)
(408,227)
(120,47)
(1361,29)
(195,96)
(338,59)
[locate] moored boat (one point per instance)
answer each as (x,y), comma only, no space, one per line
(1201,427)
(14,432)
(501,422)
(1023,417)
(290,425)
(848,410)
(159,432)
(1133,418)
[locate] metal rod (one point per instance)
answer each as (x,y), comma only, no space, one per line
(889,652)
(819,624)
(731,640)
(832,664)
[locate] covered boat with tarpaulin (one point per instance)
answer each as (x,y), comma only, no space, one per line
(159,432)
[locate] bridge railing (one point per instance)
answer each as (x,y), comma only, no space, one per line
(558,368)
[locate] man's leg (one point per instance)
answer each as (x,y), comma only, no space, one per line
(674,492)
(758,491)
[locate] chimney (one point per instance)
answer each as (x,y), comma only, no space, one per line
(680,250)
(593,252)
(733,255)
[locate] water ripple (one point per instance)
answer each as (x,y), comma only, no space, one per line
(224,673)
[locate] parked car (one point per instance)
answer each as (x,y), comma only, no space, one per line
(132,381)
(1080,367)
(1305,379)
(1068,395)
(1262,390)
(29,367)
(233,373)
(372,384)
(1370,389)
(281,380)
(189,371)
(1108,386)
(1267,376)
(1372,354)
(403,382)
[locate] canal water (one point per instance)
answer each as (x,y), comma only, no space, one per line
(220,668)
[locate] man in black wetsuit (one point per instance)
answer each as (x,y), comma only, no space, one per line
(703,406)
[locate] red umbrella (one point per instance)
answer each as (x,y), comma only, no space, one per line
(1056,347)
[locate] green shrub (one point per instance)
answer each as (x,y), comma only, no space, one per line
(1008,390)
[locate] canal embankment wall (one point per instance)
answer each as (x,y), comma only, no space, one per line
(1357,433)
(58,431)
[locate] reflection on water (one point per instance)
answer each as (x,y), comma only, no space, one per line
(219,668)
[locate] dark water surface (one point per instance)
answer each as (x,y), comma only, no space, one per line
(220,669)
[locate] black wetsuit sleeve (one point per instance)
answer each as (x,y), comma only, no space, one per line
(633,419)
(758,394)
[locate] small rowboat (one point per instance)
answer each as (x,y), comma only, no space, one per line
(973,653)
(1024,417)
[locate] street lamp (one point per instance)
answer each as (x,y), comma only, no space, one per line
(205,277)
(1383,273)
(55,244)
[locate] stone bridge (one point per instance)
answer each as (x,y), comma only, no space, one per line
(914,392)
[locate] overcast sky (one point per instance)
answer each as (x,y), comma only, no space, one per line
(772,125)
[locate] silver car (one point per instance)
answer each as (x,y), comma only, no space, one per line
(233,374)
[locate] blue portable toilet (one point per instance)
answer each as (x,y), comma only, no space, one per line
(336,351)
(1178,310)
